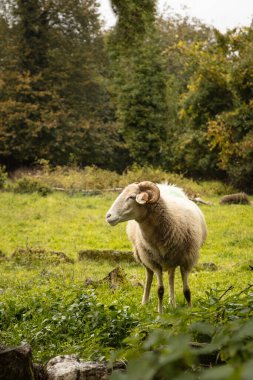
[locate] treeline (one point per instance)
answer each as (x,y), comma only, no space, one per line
(166,92)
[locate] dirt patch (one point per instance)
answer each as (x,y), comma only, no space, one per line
(106,254)
(209,267)
(115,279)
(40,254)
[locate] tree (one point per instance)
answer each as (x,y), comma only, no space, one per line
(139,80)
(231,132)
(135,18)
(207,94)
(142,106)
(53,84)
(32,35)
(216,109)
(178,35)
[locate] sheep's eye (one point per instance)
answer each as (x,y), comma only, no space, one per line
(131,197)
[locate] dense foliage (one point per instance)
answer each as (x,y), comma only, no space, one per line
(70,318)
(168,92)
(54,103)
(223,335)
(140,81)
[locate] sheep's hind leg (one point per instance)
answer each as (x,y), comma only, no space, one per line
(160,290)
(171,273)
(149,279)
(186,289)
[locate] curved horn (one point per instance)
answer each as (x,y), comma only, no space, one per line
(151,189)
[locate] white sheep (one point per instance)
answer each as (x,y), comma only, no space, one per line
(166,229)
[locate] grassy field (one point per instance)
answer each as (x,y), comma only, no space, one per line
(49,305)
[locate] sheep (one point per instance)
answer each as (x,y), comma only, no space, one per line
(166,230)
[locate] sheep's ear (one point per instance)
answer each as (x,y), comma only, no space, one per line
(151,189)
(142,198)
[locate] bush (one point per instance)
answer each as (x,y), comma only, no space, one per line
(191,187)
(74,179)
(240,175)
(3,176)
(31,185)
(92,178)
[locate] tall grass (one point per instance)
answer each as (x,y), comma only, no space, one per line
(92,178)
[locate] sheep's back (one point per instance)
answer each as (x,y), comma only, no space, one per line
(171,191)
(187,221)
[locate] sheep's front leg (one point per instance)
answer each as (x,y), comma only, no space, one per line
(149,279)
(160,290)
(186,289)
(171,273)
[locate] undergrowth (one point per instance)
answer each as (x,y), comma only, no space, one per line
(222,327)
(73,179)
(66,321)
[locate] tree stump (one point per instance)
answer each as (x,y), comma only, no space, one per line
(16,363)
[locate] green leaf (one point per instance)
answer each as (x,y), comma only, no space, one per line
(247,370)
(218,373)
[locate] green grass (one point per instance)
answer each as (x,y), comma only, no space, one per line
(49,305)
(57,222)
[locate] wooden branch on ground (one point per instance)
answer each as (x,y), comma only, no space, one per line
(238,198)
(200,200)
(89,191)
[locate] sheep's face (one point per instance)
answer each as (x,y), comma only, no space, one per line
(131,203)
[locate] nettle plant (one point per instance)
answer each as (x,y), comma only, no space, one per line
(213,341)
(76,319)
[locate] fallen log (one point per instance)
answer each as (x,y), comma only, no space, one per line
(88,192)
(238,198)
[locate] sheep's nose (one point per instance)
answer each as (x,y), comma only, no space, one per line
(108,215)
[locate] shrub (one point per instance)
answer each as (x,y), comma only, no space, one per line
(191,187)
(31,185)
(73,179)
(3,176)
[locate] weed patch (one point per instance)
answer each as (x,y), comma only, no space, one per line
(36,255)
(27,185)
(75,321)
(106,254)
(92,179)
(222,326)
